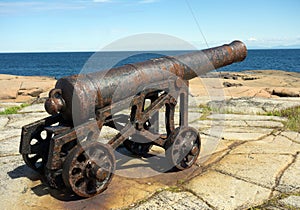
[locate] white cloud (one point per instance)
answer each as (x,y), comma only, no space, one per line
(273,42)
(17,7)
(251,39)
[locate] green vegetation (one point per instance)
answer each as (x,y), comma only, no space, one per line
(206,111)
(13,109)
(274,202)
(174,189)
(293,116)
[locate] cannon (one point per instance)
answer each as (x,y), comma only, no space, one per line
(65,147)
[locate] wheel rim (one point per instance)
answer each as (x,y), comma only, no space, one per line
(88,169)
(185,148)
(39,146)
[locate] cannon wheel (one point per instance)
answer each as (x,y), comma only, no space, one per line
(183,147)
(89,168)
(133,145)
(39,146)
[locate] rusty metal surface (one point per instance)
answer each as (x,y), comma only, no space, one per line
(85,93)
(89,168)
(71,155)
(183,147)
(34,146)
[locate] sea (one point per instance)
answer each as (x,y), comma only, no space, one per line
(61,64)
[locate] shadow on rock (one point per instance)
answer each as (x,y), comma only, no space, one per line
(60,194)
(127,165)
(157,162)
(42,189)
(24,171)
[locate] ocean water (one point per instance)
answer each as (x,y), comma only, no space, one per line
(68,63)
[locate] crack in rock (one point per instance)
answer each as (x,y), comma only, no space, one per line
(242,179)
(281,173)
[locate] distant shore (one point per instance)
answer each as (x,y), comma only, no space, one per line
(22,89)
(251,83)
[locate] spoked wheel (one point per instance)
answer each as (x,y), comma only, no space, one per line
(89,168)
(183,147)
(39,147)
(135,146)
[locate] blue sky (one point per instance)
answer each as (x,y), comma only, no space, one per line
(90,25)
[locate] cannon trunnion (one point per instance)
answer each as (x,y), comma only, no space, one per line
(65,147)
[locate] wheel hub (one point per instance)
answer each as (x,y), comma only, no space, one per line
(88,168)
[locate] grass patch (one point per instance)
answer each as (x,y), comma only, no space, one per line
(274,202)
(13,109)
(206,111)
(174,189)
(293,116)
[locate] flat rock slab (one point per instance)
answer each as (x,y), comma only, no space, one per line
(211,145)
(172,201)
(9,89)
(10,146)
(9,133)
(33,108)
(23,88)
(290,181)
(244,158)
(15,183)
(239,133)
(252,105)
(291,202)
(122,192)
(226,192)
(19,120)
(269,145)
(3,121)
(264,124)
(202,124)
(261,169)
(292,135)
(238,117)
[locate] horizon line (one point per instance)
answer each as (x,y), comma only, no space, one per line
(90,51)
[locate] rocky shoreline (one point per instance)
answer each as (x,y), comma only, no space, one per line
(255,83)
(24,88)
(247,159)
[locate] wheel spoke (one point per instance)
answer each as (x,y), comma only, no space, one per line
(49,136)
(76,177)
(91,187)
(34,159)
(177,147)
(80,166)
(39,138)
(102,160)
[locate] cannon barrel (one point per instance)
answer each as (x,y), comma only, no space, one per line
(83,94)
